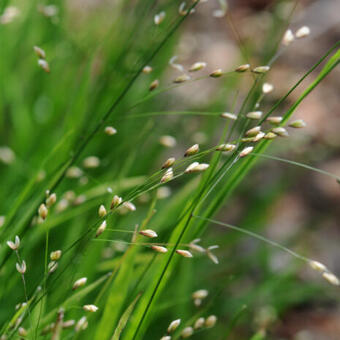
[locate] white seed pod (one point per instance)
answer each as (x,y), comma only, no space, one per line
(102,211)
(192,150)
(216,74)
(197,66)
(168,176)
(147,69)
(226,147)
(91,162)
(280,131)
(298,124)
(184,253)
(181,9)
(229,115)
(211,321)
(154,85)
(200,294)
(14,245)
(318,266)
(246,151)
(79,283)
(39,52)
(110,130)
(181,79)
(81,324)
(253,131)
(79,200)
(168,141)
(254,115)
(199,323)
(242,68)
(116,201)
(190,168)
(197,302)
(302,32)
(55,255)
(288,38)
(90,308)
(212,256)
(148,233)
(22,331)
(159,18)
(270,135)
(169,162)
(52,267)
(129,206)
(187,332)
(261,69)
(7,155)
(43,211)
(21,268)
(331,278)
(196,247)
(159,249)
(163,192)
(62,205)
(51,199)
(274,119)
(68,323)
(267,88)
(259,136)
(9,14)
(44,65)
(200,167)
(74,172)
(101,228)
(174,325)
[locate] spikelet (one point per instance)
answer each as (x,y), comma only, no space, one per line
(196,247)
(159,18)
(261,69)
(210,321)
(288,38)
(192,150)
(168,176)
(168,163)
(199,323)
(254,115)
(242,68)
(55,255)
(270,135)
(216,74)
(44,65)
(14,245)
(101,228)
(259,136)
(91,162)
(197,66)
(154,85)
(181,79)
(187,332)
(318,266)
(229,115)
(226,147)
(52,267)
(267,88)
(168,141)
(274,119)
(200,294)
(159,249)
(21,268)
(51,199)
(174,325)
(90,308)
(184,253)
(298,124)
(39,52)
(102,211)
(191,167)
(129,206)
(302,32)
(147,69)
(331,278)
(253,131)
(110,130)
(43,211)
(148,233)
(79,283)
(280,131)
(246,151)
(81,324)
(74,172)
(116,201)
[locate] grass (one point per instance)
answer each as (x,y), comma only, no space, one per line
(54,121)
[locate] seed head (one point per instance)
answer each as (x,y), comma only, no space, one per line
(267,88)
(200,294)
(148,233)
(168,141)
(261,69)
(14,245)
(199,323)
(216,74)
(211,321)
(187,332)
(174,325)
(288,38)
(281,131)
(158,19)
(229,115)
(253,131)
(147,69)
(192,150)
(90,308)
(159,249)
(110,130)
(39,52)
(21,268)
(22,331)
(52,267)
(331,278)
(154,85)
(51,199)
(168,176)
(91,162)
(129,206)
(163,192)
(196,247)
(226,147)
(168,163)
(242,68)
(181,79)
(184,253)
(254,115)
(102,211)
(302,32)
(318,266)
(274,119)
(68,323)
(270,135)
(246,151)
(43,211)
(55,255)
(116,201)
(212,256)
(81,324)
(44,65)
(79,283)
(298,124)
(101,228)
(74,172)
(197,66)
(259,136)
